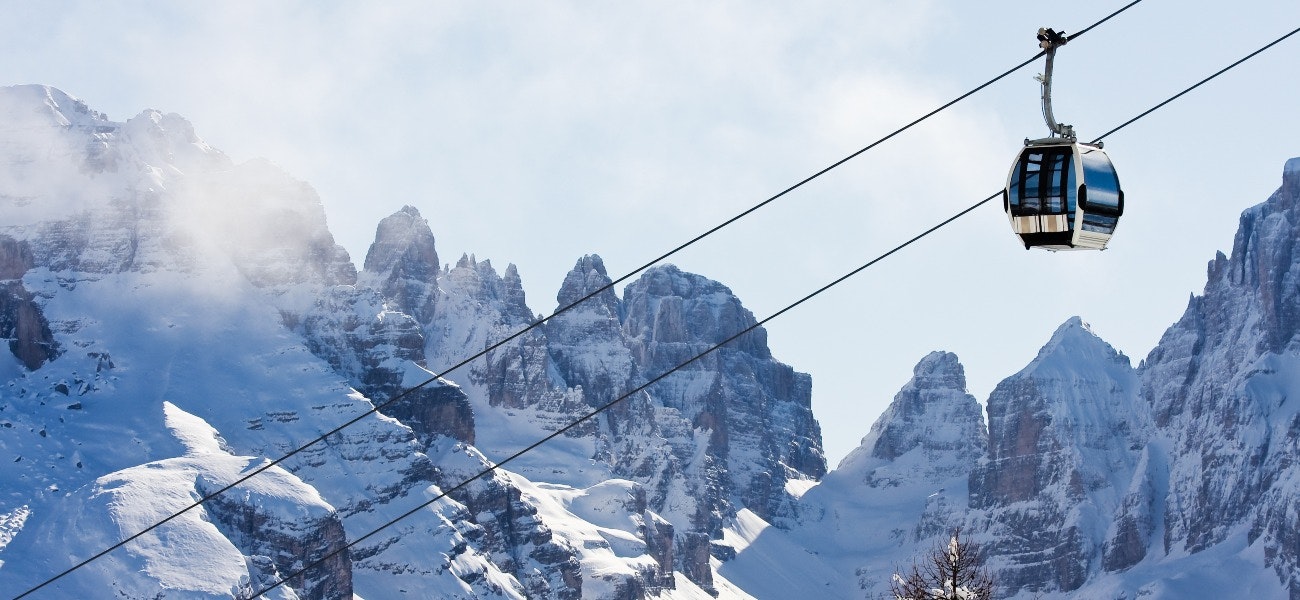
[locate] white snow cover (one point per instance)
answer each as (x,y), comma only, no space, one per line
(126,502)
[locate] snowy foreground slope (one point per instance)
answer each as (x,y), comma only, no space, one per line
(174,320)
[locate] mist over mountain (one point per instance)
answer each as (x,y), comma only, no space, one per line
(175,320)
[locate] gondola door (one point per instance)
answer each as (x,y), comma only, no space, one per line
(1041,196)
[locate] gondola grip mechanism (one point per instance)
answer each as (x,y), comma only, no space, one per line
(1049,40)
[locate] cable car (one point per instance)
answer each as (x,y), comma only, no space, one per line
(1062,194)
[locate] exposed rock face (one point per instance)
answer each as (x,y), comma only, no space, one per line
(380,352)
(478,309)
(1062,434)
(286,546)
(757,410)
(586,343)
(1218,386)
(1135,521)
(933,415)
(726,432)
(510,530)
(403,264)
(25,327)
(15,258)
(659,539)
(21,321)
(694,558)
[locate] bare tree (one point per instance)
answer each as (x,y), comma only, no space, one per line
(949,572)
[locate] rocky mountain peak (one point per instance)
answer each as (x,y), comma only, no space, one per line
(587,276)
(99,197)
(668,307)
(1291,175)
(1061,435)
(1078,391)
(585,342)
(403,264)
(939,370)
(1075,346)
(404,247)
(513,294)
(51,105)
(166,132)
(1262,269)
(934,417)
(478,281)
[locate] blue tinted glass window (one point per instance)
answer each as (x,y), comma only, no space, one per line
(1029,193)
(1098,222)
(1103,184)
(1043,182)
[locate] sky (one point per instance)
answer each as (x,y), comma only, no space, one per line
(534,133)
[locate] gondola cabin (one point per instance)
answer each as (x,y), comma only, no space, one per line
(1063,195)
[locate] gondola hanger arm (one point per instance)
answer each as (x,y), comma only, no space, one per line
(1049,40)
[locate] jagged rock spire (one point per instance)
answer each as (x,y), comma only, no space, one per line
(587,276)
(403,263)
(585,342)
(404,243)
(934,415)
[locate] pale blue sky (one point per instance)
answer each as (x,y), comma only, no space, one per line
(534,133)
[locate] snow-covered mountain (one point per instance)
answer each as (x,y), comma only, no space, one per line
(176,320)
(150,286)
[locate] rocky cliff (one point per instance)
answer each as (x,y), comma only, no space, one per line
(1218,387)
(1063,435)
(702,442)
